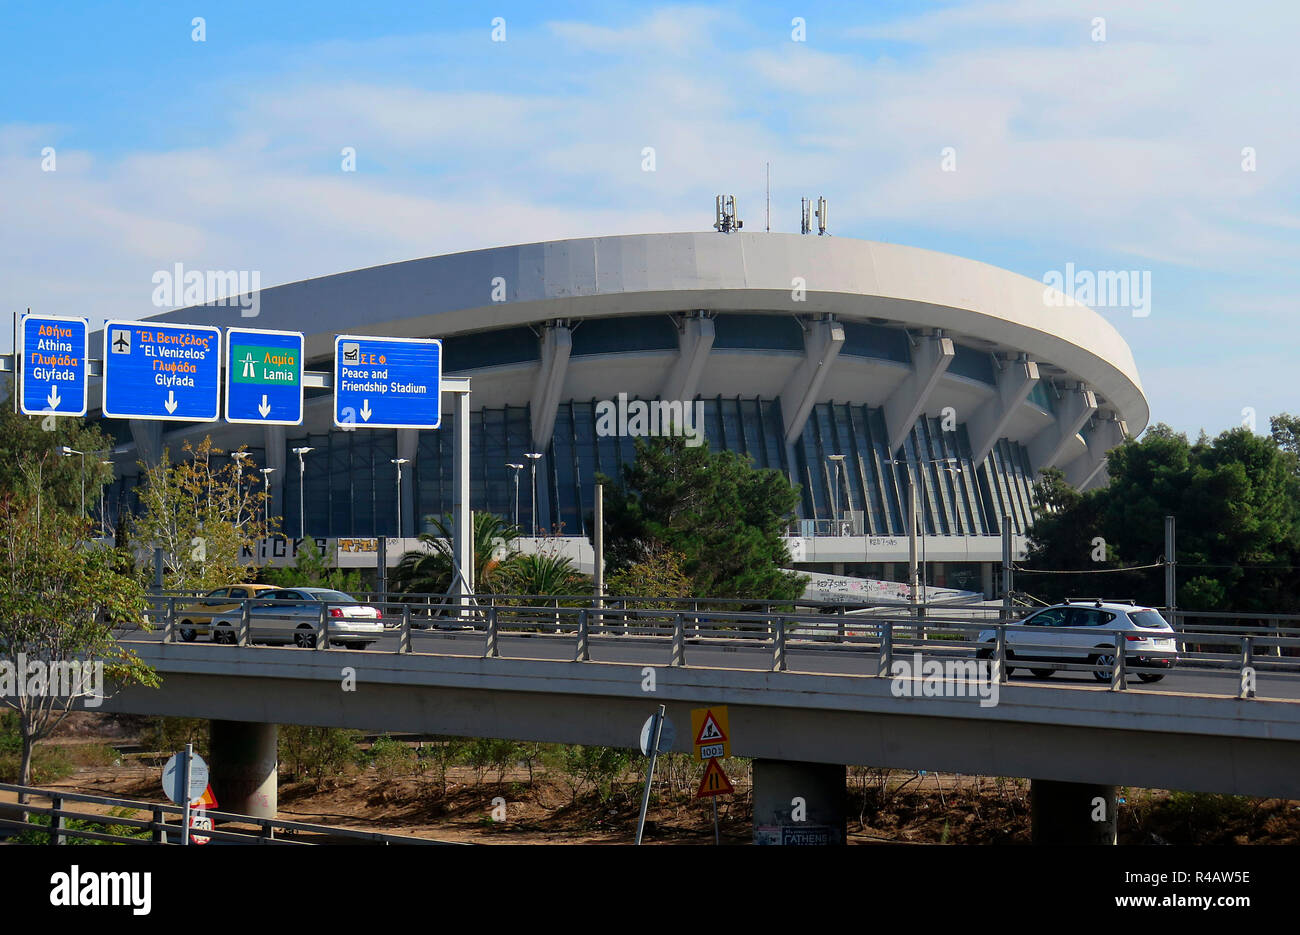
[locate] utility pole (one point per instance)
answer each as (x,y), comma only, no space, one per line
(1008,572)
(1171,576)
(599,543)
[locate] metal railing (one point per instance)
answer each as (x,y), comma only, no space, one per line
(157,829)
(681,627)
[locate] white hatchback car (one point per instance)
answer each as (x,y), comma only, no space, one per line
(1068,633)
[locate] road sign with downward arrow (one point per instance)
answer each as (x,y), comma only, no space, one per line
(387,383)
(264,376)
(53,365)
(161,371)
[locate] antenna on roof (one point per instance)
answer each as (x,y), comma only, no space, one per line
(821,216)
(769,198)
(805,219)
(725,213)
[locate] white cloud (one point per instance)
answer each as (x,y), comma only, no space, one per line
(1119,153)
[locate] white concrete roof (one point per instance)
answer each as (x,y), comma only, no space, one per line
(741,272)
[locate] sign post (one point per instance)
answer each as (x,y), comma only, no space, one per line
(161,371)
(52,365)
(712,732)
(653,735)
(184,779)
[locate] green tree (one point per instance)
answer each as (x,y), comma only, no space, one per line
(30,444)
(1236,499)
(599,767)
(311,569)
(204,517)
(543,574)
(714,508)
(58,593)
(428,570)
(659,574)
(315,753)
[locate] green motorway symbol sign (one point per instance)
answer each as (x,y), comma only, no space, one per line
(272,366)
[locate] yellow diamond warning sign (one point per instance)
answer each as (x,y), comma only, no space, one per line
(715,782)
(711,731)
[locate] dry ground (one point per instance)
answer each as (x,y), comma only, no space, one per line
(884,806)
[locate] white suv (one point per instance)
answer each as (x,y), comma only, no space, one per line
(1068,633)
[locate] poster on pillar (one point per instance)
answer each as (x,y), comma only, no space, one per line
(387,383)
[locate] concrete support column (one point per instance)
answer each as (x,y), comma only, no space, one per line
(986,580)
(799,803)
(243,759)
(274,446)
(1072,812)
(694,343)
(408,447)
(148,440)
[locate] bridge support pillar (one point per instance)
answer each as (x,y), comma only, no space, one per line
(1072,812)
(244,760)
(799,803)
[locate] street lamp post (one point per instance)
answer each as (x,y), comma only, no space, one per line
(266,499)
(239,457)
(399,462)
(66,451)
(920,585)
(103,506)
(302,471)
(836,461)
(532,457)
(516,468)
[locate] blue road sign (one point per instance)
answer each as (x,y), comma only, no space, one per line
(162,371)
(387,383)
(264,376)
(53,365)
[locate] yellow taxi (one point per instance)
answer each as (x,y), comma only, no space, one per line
(194,615)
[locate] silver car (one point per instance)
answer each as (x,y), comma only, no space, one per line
(292,615)
(1068,633)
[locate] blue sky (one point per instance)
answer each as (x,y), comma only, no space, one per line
(1119,154)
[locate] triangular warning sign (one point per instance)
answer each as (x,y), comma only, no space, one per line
(207,800)
(710,732)
(714,782)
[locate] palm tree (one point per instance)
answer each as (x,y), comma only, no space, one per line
(543,574)
(428,570)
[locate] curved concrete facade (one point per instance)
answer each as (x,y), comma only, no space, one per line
(647,273)
(801,346)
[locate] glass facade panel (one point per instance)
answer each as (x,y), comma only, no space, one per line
(350,482)
(766,332)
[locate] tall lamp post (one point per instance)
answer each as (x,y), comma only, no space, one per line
(103,504)
(302,472)
(239,457)
(66,451)
(399,462)
(920,587)
(836,461)
(516,468)
(532,457)
(266,499)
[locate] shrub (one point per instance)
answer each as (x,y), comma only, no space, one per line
(313,753)
(392,758)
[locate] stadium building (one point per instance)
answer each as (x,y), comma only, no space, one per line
(916,367)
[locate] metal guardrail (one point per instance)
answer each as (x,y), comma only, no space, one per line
(594,622)
(162,831)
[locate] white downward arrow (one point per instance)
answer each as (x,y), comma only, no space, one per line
(365,410)
(171,403)
(53,399)
(265,408)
